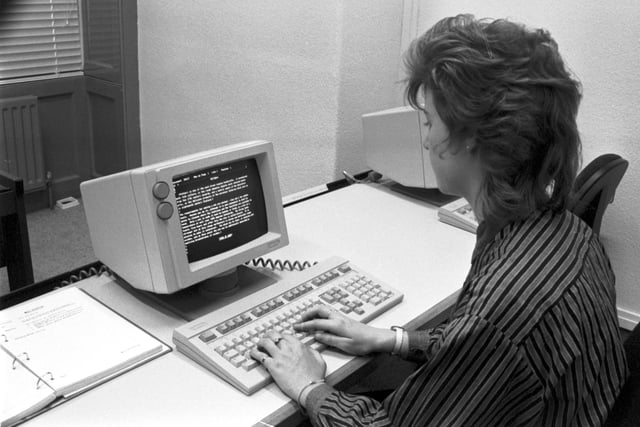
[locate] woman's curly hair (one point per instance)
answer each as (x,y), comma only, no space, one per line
(506,86)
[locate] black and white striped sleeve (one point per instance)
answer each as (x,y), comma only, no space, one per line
(476,377)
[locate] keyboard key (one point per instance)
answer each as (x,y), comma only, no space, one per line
(223,329)
(238,360)
(207,336)
(328,298)
(230,354)
(249,364)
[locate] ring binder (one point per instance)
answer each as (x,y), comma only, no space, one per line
(41,380)
(281,264)
(17,358)
(22,399)
(80,344)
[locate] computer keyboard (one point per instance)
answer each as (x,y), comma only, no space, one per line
(220,341)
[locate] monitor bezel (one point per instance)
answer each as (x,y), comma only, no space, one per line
(177,271)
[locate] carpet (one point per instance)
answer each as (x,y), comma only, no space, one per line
(59,240)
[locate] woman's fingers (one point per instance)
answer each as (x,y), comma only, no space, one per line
(259,355)
(329,325)
(318,311)
(268,345)
(322,318)
(332,340)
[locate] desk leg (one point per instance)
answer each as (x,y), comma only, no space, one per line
(16,253)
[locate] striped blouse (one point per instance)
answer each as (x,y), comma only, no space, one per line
(533,340)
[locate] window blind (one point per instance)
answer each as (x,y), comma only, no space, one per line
(39,37)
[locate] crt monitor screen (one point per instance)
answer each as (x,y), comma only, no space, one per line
(220,208)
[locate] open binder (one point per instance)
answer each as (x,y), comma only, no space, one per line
(61,344)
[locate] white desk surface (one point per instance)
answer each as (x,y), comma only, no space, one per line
(394,238)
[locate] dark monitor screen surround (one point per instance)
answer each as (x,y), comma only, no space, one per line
(220,208)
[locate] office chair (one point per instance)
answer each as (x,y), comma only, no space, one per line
(15,252)
(626,410)
(595,188)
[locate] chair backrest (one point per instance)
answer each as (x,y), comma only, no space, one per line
(595,188)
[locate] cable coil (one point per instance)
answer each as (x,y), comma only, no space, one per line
(281,264)
(83,274)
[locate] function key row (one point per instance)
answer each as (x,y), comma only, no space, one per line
(297,292)
(267,307)
(324,278)
(233,323)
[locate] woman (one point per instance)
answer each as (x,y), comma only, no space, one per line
(533,339)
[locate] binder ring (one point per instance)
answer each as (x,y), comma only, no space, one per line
(41,380)
(15,359)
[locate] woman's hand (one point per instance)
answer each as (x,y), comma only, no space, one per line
(334,329)
(292,364)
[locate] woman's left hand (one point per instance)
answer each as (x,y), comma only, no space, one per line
(291,363)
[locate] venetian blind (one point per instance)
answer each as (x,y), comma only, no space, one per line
(39,37)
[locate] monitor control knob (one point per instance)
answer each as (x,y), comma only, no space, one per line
(164,210)
(160,190)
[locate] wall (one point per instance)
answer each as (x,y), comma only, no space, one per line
(300,73)
(89,124)
(63,120)
(296,72)
(600,42)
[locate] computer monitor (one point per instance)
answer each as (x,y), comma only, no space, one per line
(393,142)
(183,228)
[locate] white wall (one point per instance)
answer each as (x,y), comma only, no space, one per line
(301,72)
(600,41)
(296,72)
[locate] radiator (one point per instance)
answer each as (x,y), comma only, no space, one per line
(20,142)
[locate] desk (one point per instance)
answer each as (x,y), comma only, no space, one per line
(389,235)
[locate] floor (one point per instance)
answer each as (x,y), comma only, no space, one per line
(59,242)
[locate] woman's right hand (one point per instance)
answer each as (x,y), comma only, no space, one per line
(334,329)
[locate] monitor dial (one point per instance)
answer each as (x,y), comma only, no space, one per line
(164,210)
(160,190)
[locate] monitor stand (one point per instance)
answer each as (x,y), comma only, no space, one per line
(212,294)
(430,195)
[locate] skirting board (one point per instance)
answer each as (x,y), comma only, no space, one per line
(627,319)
